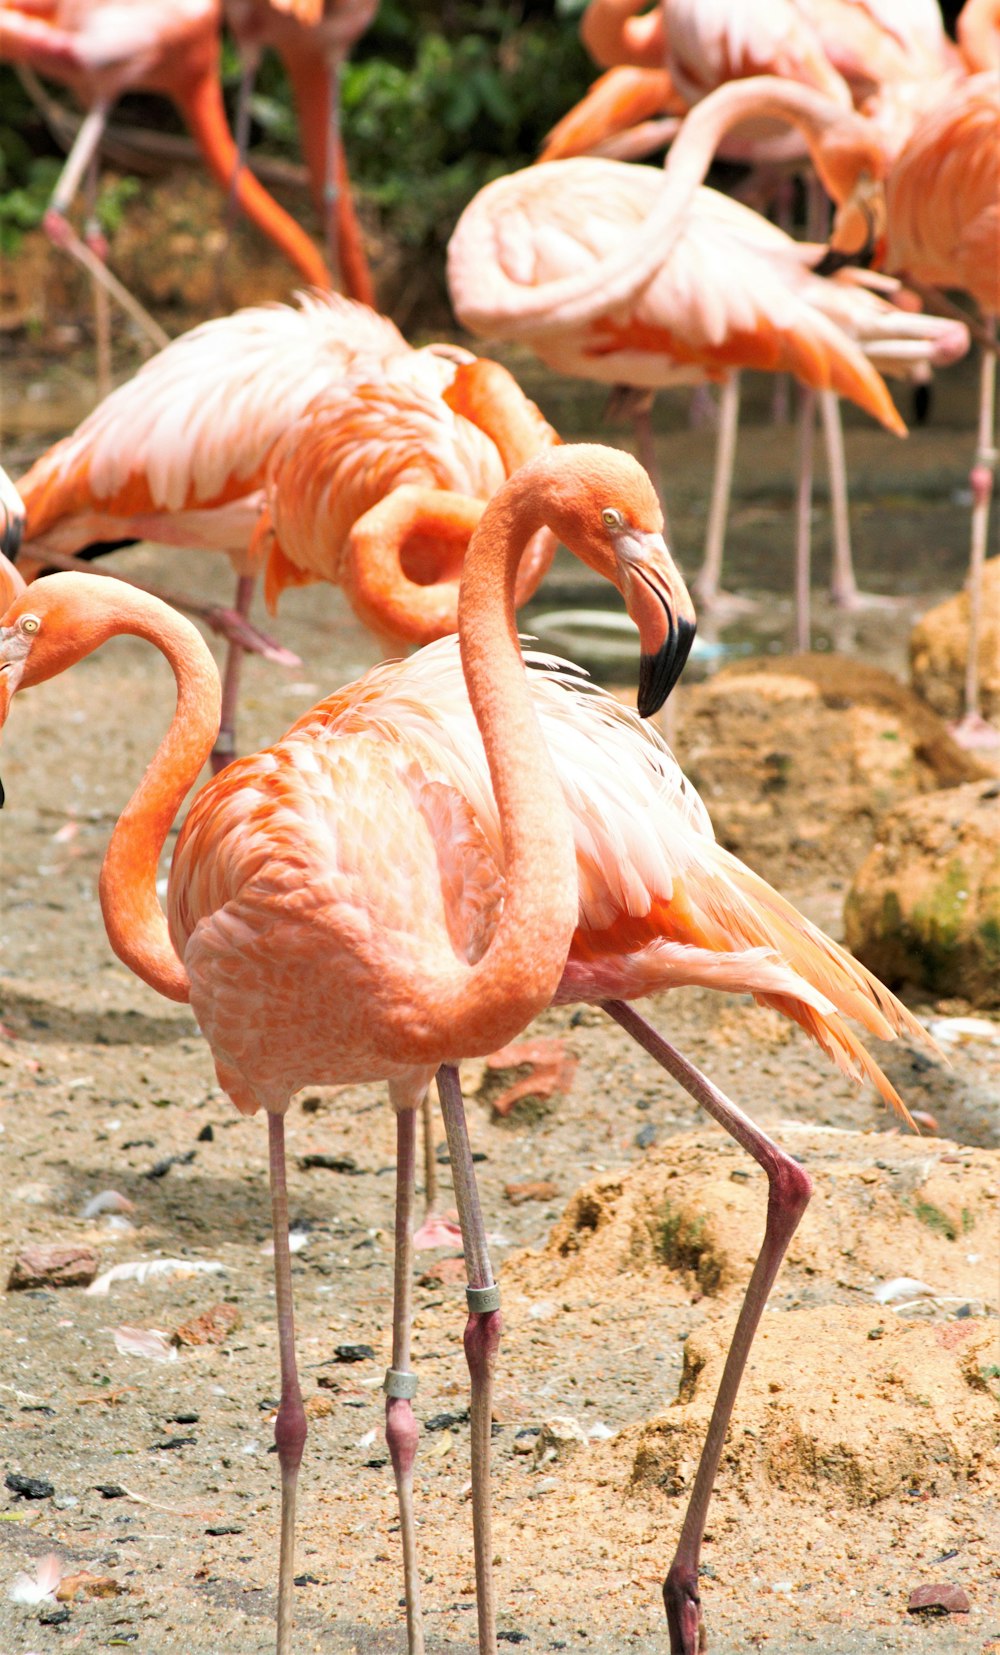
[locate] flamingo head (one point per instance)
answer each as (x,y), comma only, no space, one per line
(606,510)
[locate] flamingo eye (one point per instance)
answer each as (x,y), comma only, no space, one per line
(30,623)
(612,518)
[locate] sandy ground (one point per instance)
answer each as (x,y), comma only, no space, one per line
(862,1462)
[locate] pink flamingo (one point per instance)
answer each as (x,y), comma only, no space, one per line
(933,209)
(625,275)
(102,48)
(652,903)
(287,992)
(313,39)
(180,454)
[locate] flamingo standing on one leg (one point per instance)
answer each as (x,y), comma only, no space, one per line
(102,48)
(940,202)
(542,256)
(313,39)
(278,853)
(180,453)
(659,905)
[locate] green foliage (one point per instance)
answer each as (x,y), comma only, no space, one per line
(23,203)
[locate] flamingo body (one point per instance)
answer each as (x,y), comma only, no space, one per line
(734,292)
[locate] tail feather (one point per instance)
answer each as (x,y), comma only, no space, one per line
(841,1045)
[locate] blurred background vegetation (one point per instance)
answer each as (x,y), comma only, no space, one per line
(438,98)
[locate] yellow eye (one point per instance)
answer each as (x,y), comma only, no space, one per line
(30,623)
(612,518)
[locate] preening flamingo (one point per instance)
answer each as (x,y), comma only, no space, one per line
(542,256)
(934,211)
(313,39)
(102,48)
(283,854)
(180,454)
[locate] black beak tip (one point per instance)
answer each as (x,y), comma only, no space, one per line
(659,673)
(3,796)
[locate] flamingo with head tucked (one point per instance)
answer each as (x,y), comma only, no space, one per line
(331,397)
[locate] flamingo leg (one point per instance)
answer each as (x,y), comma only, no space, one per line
(482,1342)
(400,1386)
(973,728)
(102,306)
(803,515)
(61,233)
(706,582)
(224,750)
(290,1424)
(843,585)
(430,1160)
(248,75)
(331,187)
(789,1189)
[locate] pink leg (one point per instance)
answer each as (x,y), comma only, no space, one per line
(60,231)
(401,1428)
(95,240)
(803,513)
(290,1425)
(706,581)
(224,750)
(430,1162)
(482,1342)
(974,730)
(789,1189)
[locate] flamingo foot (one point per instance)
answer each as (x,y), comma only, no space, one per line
(851,600)
(974,732)
(437,1230)
(682,1603)
(550,1070)
(720,602)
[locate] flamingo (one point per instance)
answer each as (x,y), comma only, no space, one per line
(102,48)
(180,454)
(313,39)
(979,34)
(657,903)
(543,256)
(939,199)
(332,914)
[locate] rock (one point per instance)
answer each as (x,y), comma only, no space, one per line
(939,646)
(925,906)
(53,1266)
(942,1599)
(559,1439)
(85,1584)
(29,1488)
(539,1189)
(212,1327)
(798,758)
(353,1353)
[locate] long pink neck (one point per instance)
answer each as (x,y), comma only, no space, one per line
(135,922)
(512,309)
(468,1010)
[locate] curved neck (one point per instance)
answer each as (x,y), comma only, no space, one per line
(512,310)
(618,31)
(382,592)
(468,1010)
(135,922)
(201,104)
(486,394)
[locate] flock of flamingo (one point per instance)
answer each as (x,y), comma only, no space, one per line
(434,854)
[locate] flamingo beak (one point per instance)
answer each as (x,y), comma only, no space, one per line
(13,654)
(660,605)
(12,517)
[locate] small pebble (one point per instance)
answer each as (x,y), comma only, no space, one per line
(29,1488)
(353,1353)
(646,1136)
(943,1598)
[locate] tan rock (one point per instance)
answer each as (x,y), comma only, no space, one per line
(798,758)
(939,647)
(925,906)
(842,1396)
(212,1327)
